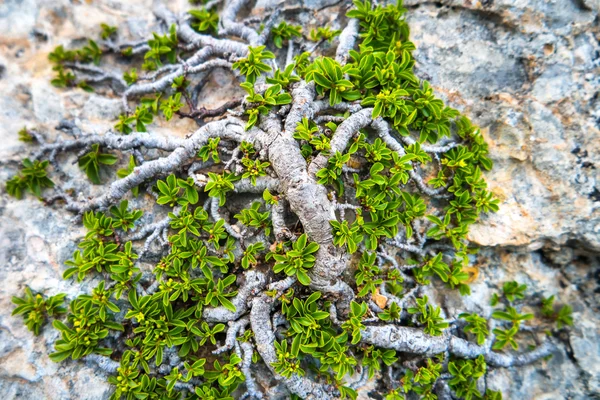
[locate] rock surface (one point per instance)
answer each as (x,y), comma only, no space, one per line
(528,72)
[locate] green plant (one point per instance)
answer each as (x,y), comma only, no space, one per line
(373,358)
(170,106)
(346,235)
(298,260)
(219,185)
(253,65)
(161,46)
(91,162)
(465,374)
(429,316)
(512,290)
(210,150)
(504,337)
(91,52)
(25,136)
(511,315)
(283,32)
(353,325)
(314,164)
(85,333)
(205,332)
(368,274)
(392,313)
(204,20)
(329,78)
(287,363)
(227,374)
(254,169)
(564,315)
(123,218)
(35,309)
(249,257)
(254,218)
(107,31)
(323,33)
(33,177)
(305,130)
(476,325)
(263,102)
(177,191)
(130,77)
(283,78)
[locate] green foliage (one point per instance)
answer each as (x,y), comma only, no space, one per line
(253,66)
(123,124)
(263,102)
(476,325)
(171,106)
(254,169)
(206,333)
(91,52)
(33,177)
(142,117)
(423,381)
(25,136)
(130,77)
(35,309)
(249,256)
(269,198)
(511,314)
(84,330)
(392,313)
(512,290)
(329,78)
(228,374)
(210,150)
(353,325)
(107,31)
(202,262)
(330,175)
(219,185)
(373,357)
(283,78)
(302,63)
(305,130)
(564,315)
(91,162)
(283,32)
(254,218)
(429,316)
(164,46)
(204,20)
(287,363)
(343,234)
(175,190)
(368,274)
(504,337)
(123,218)
(298,260)
(323,33)
(465,374)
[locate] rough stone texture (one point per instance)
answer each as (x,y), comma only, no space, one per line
(528,72)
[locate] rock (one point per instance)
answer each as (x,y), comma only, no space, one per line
(527,72)
(525,85)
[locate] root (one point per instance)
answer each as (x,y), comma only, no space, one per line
(413,340)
